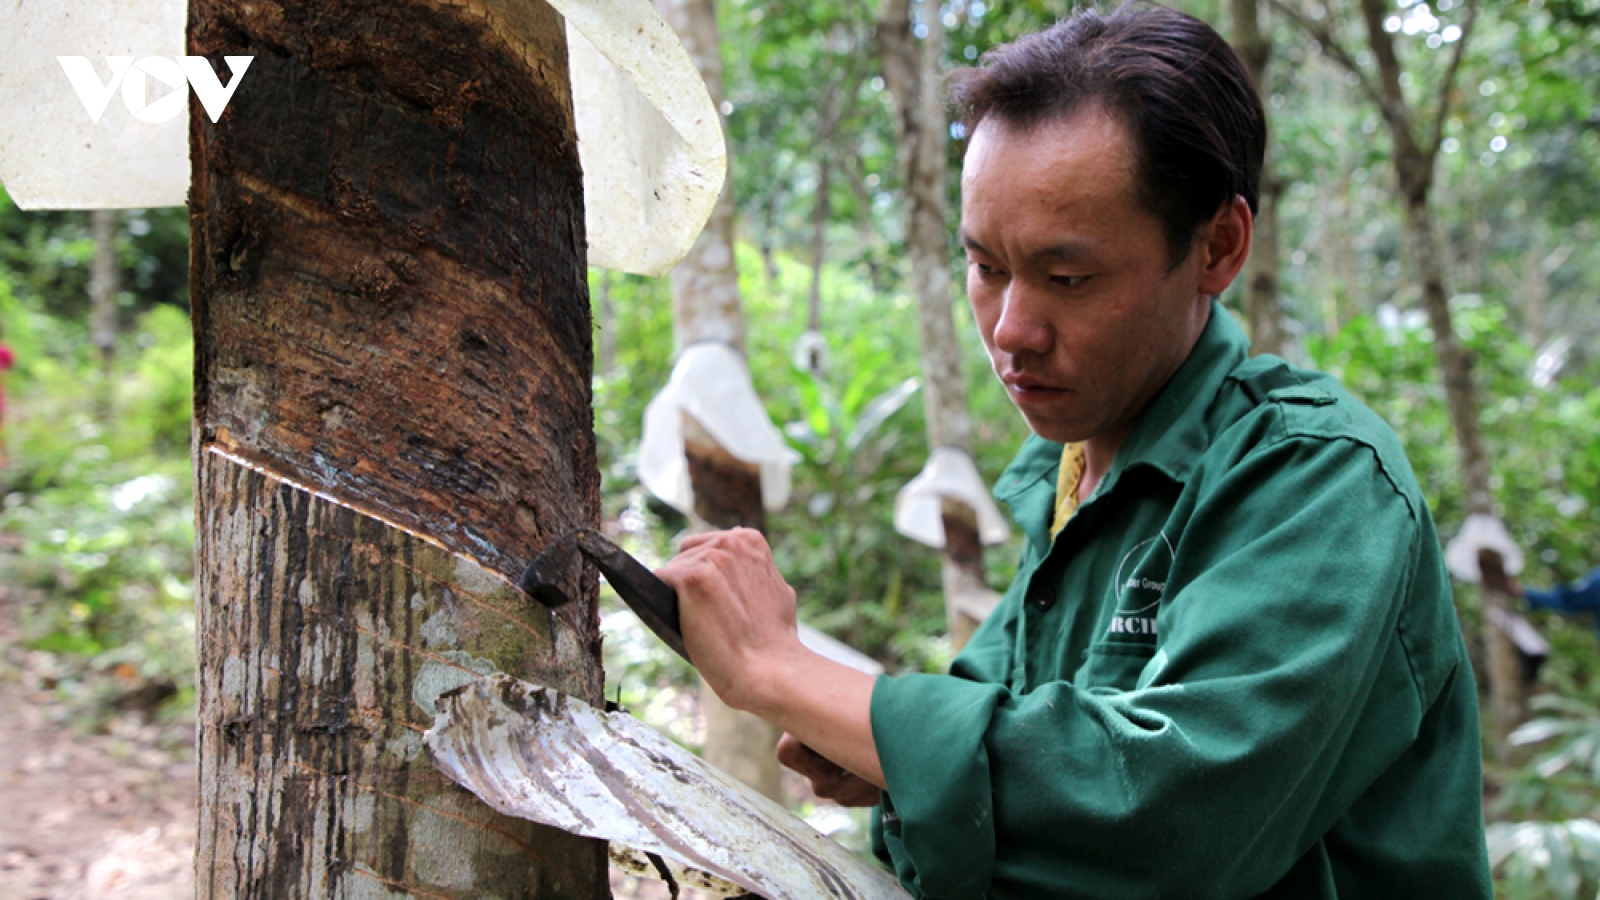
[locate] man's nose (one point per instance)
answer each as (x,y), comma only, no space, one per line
(1023,326)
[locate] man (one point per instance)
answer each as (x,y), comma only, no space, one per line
(1229,665)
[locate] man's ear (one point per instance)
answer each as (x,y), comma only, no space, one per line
(1224,244)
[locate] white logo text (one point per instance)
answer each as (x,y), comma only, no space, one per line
(176,72)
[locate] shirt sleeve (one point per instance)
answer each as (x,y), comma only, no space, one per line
(1230,760)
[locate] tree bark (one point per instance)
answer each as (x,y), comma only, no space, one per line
(393,416)
(1262,308)
(1505,664)
(820,212)
(727,491)
(103,287)
(912,71)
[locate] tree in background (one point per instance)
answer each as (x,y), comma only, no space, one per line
(1262,311)
(727,490)
(103,287)
(1416,137)
(912,54)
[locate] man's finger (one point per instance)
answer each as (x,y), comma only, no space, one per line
(807,761)
(849,790)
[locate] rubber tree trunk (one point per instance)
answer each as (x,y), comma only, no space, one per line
(1262,308)
(913,73)
(103,288)
(1414,164)
(393,416)
(727,491)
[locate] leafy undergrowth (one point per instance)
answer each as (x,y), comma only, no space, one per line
(98,514)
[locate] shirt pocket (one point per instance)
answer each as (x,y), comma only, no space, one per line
(1114,666)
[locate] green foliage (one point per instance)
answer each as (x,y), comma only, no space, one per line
(1569,731)
(47,254)
(97,493)
(1546,860)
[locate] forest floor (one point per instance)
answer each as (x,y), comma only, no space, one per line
(87,810)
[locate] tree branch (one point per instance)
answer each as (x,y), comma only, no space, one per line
(1401,118)
(1447,86)
(1324,36)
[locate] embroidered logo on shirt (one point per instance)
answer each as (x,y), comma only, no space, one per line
(1141,582)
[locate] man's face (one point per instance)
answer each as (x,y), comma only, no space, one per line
(1069,277)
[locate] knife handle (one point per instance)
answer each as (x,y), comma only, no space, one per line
(651,599)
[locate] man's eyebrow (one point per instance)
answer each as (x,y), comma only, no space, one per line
(1066,251)
(1070,251)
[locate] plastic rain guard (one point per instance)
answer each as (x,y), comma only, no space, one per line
(711,383)
(649,139)
(1481,532)
(948,475)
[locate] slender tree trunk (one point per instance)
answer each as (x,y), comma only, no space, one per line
(705,286)
(1415,170)
(820,211)
(727,491)
(912,70)
(1267,334)
(1534,290)
(392,417)
(1346,266)
(1261,270)
(606,345)
(1414,154)
(103,288)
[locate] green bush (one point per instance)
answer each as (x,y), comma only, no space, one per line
(98,496)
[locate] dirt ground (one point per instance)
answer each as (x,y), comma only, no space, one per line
(87,815)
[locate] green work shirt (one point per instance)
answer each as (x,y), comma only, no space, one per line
(1237,672)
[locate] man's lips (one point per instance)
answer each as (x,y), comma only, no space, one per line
(1028,388)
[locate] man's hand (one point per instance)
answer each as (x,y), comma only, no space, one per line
(737,612)
(737,615)
(828,780)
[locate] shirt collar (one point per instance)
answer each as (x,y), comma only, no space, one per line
(1172,432)
(1170,436)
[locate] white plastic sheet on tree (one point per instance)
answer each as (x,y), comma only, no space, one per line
(948,475)
(711,383)
(52,155)
(649,138)
(1481,532)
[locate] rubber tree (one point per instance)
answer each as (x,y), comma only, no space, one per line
(392,416)
(103,287)
(1262,309)
(1415,138)
(912,70)
(727,490)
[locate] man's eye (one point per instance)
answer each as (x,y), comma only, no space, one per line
(984,270)
(1068,280)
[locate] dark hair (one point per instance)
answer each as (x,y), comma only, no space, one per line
(1185,97)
